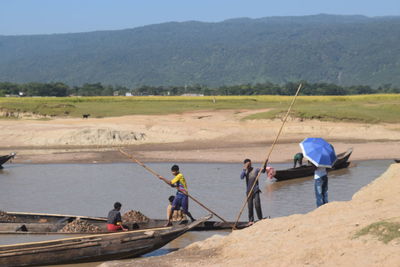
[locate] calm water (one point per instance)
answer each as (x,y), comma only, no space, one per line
(91,189)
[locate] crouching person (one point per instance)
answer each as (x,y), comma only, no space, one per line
(114,220)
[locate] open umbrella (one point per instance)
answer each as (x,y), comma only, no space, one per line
(319,152)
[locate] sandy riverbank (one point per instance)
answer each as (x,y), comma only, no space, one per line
(206,136)
(323,237)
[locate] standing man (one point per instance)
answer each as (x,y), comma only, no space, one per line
(321,185)
(181,198)
(251,174)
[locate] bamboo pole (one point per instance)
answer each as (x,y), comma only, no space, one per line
(266,160)
(157,175)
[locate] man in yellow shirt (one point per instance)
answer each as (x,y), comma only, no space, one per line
(181,199)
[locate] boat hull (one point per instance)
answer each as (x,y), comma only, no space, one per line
(306,171)
(41,223)
(4,159)
(91,248)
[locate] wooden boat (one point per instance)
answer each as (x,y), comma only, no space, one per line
(4,159)
(308,170)
(397,160)
(43,223)
(100,247)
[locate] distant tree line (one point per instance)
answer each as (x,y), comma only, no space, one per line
(98,89)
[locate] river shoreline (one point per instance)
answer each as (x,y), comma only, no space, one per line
(211,152)
(200,136)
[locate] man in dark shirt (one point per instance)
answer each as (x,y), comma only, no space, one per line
(298,158)
(251,174)
(114,220)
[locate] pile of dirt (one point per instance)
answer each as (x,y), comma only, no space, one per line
(80,226)
(134,216)
(4,217)
(100,136)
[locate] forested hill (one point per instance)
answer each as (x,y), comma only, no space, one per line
(345,50)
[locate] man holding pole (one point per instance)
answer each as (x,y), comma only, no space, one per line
(181,198)
(254,198)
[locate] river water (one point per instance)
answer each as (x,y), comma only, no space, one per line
(91,189)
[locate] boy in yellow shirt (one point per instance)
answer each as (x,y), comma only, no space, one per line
(181,199)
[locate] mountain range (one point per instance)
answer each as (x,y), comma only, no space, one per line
(345,50)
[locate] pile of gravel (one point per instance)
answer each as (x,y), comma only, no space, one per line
(4,217)
(134,216)
(80,226)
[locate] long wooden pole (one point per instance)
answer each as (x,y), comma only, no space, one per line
(266,160)
(157,175)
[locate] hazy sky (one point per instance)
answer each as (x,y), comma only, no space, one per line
(60,16)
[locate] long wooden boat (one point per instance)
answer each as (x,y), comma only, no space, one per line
(397,160)
(4,159)
(43,223)
(91,248)
(307,170)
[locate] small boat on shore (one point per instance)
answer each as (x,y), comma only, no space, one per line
(397,160)
(4,159)
(43,223)
(308,170)
(90,248)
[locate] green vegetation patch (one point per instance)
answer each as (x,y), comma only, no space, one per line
(359,108)
(383,230)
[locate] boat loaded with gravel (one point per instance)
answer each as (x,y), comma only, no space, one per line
(43,223)
(90,248)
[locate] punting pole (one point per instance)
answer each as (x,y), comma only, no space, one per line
(157,175)
(266,161)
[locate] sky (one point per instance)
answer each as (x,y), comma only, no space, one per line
(21,17)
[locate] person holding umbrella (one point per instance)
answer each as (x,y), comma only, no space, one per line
(322,155)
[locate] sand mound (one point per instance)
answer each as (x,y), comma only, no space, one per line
(79,226)
(324,237)
(4,217)
(134,216)
(102,136)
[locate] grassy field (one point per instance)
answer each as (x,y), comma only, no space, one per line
(361,108)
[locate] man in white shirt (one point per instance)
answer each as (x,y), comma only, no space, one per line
(321,185)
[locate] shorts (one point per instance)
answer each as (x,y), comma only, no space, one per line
(181,201)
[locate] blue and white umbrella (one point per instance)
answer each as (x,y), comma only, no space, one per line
(319,152)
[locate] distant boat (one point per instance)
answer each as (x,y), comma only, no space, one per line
(4,159)
(397,160)
(308,170)
(90,248)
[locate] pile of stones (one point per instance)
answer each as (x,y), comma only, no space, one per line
(4,217)
(80,226)
(134,216)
